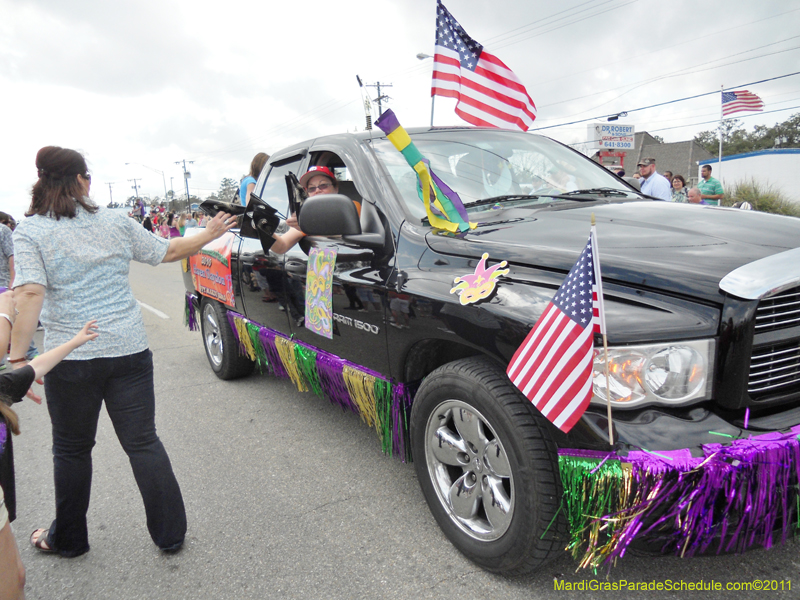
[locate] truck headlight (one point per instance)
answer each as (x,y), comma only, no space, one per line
(667,373)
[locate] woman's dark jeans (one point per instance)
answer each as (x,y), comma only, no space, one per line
(75,391)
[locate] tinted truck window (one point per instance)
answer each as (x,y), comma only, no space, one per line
(273,189)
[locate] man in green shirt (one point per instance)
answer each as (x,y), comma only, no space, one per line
(710,188)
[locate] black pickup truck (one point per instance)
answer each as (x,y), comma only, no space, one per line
(702,306)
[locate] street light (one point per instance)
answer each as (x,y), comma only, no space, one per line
(164,179)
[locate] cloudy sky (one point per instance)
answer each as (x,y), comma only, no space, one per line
(152,82)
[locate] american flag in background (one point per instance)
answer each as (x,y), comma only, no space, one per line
(553,366)
(488,92)
(733,102)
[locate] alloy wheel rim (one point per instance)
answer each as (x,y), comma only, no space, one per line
(212,336)
(469,469)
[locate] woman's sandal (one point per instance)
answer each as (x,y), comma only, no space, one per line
(40,541)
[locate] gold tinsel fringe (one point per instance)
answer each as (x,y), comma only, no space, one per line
(362,392)
(286,351)
(244,338)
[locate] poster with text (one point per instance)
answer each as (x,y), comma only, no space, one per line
(211,270)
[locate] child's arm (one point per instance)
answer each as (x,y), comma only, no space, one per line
(6,321)
(43,363)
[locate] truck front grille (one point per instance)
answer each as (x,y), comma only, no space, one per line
(774,369)
(778,311)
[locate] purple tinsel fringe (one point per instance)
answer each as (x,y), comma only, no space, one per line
(732,498)
(401,414)
(329,368)
(267,338)
(231,319)
(330,372)
(191,313)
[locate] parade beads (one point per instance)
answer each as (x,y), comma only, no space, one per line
(729,499)
(379,402)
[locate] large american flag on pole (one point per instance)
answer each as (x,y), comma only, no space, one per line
(488,92)
(553,366)
(733,102)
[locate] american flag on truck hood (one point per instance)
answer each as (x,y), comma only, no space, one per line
(553,367)
(733,102)
(488,92)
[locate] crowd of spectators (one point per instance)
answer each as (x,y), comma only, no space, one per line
(672,188)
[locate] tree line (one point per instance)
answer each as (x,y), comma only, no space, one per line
(737,140)
(227,189)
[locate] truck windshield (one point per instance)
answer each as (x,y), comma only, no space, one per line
(480,165)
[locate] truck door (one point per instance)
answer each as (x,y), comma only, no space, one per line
(358,295)
(261,276)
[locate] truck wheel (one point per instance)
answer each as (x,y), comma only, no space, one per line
(488,467)
(220,343)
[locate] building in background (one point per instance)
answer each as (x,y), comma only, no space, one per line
(778,168)
(681,158)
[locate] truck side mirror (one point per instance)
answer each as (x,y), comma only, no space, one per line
(329,214)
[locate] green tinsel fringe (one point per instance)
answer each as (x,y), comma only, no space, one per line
(592,489)
(371,397)
(307,364)
(258,348)
(383,407)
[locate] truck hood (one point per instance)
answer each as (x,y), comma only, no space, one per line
(679,248)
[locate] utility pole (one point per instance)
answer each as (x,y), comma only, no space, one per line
(134,186)
(110,197)
(186,176)
(163,179)
(380,97)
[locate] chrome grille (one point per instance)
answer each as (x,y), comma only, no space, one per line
(778,311)
(774,368)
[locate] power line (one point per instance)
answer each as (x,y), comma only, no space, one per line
(308,116)
(539,23)
(700,123)
(665,103)
(678,73)
(503,43)
(617,6)
(705,113)
(681,43)
(766,112)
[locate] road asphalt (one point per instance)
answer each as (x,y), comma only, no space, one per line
(288,497)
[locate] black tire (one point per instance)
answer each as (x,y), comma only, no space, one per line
(222,349)
(522,527)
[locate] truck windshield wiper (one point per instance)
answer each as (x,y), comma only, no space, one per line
(575,197)
(495,199)
(602,191)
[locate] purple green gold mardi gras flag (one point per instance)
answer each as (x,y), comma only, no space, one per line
(443,205)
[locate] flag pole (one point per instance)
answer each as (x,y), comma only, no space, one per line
(719,160)
(605,362)
(433,98)
(608,394)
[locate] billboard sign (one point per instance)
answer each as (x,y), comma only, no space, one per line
(613,136)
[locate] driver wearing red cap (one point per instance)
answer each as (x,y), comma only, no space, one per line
(318,180)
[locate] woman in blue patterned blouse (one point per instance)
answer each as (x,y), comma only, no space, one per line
(72,261)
